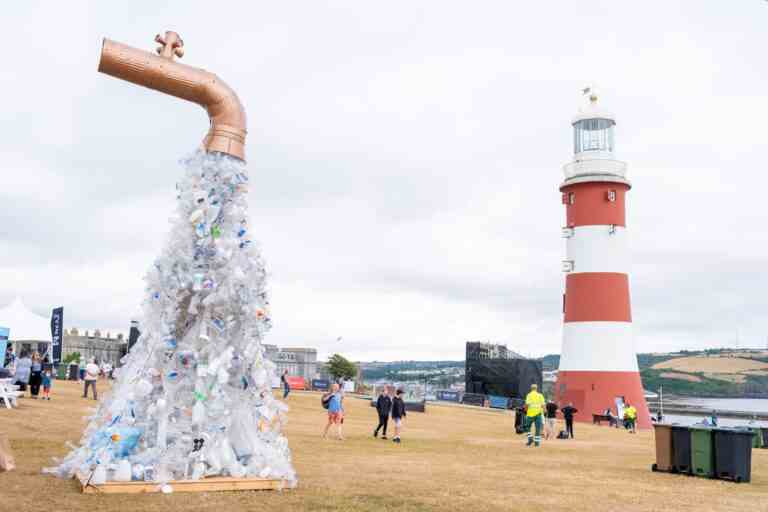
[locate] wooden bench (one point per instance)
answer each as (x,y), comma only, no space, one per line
(599,418)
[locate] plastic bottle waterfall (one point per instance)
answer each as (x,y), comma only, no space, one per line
(193,397)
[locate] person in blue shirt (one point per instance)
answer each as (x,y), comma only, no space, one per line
(47,385)
(335,411)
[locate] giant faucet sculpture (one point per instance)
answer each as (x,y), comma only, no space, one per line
(193,398)
(161,73)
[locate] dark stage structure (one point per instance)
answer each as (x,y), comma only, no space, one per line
(495,370)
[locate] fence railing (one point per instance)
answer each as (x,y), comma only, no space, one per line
(596,166)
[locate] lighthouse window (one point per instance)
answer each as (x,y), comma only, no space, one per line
(593,135)
(571,197)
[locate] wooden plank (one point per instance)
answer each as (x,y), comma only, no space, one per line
(214,484)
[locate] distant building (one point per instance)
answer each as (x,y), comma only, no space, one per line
(300,362)
(105,349)
(549,375)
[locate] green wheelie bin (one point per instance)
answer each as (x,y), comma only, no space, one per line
(702,452)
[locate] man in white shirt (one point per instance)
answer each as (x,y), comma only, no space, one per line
(107,369)
(91,374)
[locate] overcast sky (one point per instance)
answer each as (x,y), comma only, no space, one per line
(406,159)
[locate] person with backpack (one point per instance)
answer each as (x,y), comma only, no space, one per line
(332,402)
(568,412)
(398,414)
(383,407)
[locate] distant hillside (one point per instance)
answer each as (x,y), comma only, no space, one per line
(713,372)
(550,361)
(725,373)
(442,373)
(716,364)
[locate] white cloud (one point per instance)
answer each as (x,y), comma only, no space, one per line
(406,161)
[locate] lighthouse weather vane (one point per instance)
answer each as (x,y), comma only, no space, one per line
(591,92)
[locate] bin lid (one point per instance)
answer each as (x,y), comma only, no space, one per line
(735,430)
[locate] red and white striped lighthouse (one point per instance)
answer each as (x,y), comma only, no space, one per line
(598,364)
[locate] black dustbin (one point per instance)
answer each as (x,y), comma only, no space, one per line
(681,449)
(733,454)
(519,420)
(74,371)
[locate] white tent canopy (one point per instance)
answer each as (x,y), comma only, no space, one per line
(23,323)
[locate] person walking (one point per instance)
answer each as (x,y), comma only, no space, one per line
(398,414)
(91,375)
(535,402)
(36,375)
(47,385)
(286,385)
(551,417)
(568,412)
(630,414)
(335,411)
(23,371)
(383,407)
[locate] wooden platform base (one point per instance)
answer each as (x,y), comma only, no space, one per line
(214,484)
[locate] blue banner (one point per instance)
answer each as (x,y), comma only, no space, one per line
(4,334)
(498,402)
(449,395)
(321,384)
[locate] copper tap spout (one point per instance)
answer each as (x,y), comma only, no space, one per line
(161,73)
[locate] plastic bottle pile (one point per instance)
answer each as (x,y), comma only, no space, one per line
(193,397)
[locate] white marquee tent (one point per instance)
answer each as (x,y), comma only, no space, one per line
(24,324)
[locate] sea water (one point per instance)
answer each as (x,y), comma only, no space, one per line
(722,406)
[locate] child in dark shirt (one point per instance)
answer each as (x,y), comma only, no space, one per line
(398,414)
